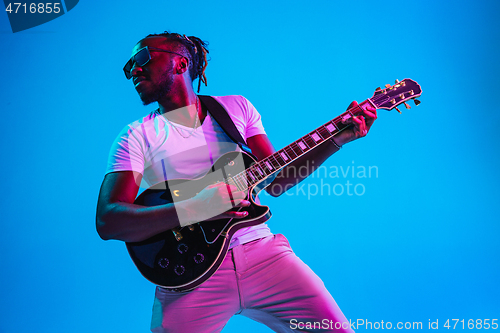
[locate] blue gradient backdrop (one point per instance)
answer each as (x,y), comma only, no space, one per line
(421,242)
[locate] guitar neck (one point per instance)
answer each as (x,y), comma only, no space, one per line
(287,155)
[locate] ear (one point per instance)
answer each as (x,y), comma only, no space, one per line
(182,65)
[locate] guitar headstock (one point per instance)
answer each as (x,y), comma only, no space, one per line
(399,93)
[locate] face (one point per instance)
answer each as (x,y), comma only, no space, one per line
(154,80)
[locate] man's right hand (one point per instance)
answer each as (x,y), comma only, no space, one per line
(212,203)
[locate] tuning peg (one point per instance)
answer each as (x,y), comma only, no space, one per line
(397,81)
(387,85)
(378,89)
(407,105)
(397,109)
(416,101)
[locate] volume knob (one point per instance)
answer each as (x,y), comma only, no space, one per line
(199,258)
(179,269)
(163,262)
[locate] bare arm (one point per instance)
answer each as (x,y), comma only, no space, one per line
(119,218)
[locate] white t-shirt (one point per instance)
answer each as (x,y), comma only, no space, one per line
(155,149)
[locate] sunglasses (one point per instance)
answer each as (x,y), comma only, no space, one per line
(141,58)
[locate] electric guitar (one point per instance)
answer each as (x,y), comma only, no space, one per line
(182,258)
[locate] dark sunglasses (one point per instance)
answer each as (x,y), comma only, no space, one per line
(142,57)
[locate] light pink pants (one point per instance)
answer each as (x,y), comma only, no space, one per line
(262,280)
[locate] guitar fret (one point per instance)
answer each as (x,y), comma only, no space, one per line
(279,159)
(284,156)
(296,149)
(309,141)
(291,152)
(303,145)
(306,142)
(254,174)
(259,168)
(315,136)
(274,161)
(242,180)
(233,181)
(347,115)
(237,183)
(250,178)
(247,181)
(340,125)
(230,181)
(249,174)
(269,166)
(323,132)
(266,169)
(331,127)
(246,177)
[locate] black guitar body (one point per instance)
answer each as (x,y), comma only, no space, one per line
(181,259)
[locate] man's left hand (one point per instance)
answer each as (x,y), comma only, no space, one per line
(360,125)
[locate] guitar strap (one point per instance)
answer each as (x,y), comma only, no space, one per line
(220,115)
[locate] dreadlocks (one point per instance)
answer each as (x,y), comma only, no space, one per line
(197,50)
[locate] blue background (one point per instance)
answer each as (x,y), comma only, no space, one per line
(422,241)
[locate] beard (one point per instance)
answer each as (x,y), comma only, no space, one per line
(160,90)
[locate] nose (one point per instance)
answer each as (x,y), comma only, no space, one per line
(136,70)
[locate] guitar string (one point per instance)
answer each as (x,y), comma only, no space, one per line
(261,163)
(241,177)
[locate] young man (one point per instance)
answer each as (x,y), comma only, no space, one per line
(260,276)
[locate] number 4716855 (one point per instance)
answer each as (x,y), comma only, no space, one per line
(471,324)
(40,8)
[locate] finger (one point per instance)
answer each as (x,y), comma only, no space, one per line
(236,199)
(244,203)
(223,189)
(369,107)
(370,117)
(237,215)
(358,121)
(370,114)
(359,127)
(231,215)
(353,104)
(238,195)
(229,187)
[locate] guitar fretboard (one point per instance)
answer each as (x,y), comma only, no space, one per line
(283,157)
